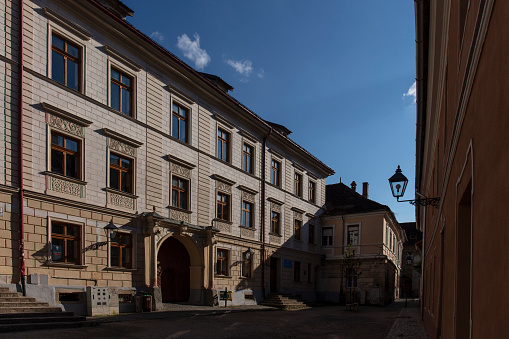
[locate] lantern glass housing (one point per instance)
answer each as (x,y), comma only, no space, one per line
(111,230)
(398,183)
(249,253)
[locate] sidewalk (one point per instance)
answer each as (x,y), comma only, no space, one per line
(408,323)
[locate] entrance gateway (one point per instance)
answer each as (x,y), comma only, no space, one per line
(173,272)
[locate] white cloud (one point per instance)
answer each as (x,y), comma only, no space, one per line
(412,92)
(243,67)
(261,73)
(157,36)
(192,50)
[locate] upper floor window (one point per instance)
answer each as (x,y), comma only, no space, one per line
(223,144)
(121,248)
(312,191)
(353,235)
(247,158)
(275,219)
(297,229)
(65,62)
(311,238)
(65,155)
(121,91)
(297,184)
(179,122)
(247,214)
(222,262)
(121,173)
(275,173)
(179,193)
(327,236)
(65,243)
(223,206)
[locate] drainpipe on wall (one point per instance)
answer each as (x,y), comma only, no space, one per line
(264,150)
(20,105)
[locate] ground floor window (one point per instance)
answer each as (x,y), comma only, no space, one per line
(296,271)
(121,251)
(247,265)
(222,262)
(65,243)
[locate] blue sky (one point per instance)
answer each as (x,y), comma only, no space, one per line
(340,74)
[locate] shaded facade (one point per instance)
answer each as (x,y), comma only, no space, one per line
(205,193)
(462,144)
(354,224)
(411,260)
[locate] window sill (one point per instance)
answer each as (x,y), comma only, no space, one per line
(222,276)
(222,220)
(247,227)
(112,190)
(63,177)
(245,278)
(275,234)
(120,269)
(179,209)
(64,265)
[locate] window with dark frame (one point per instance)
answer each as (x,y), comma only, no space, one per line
(274,176)
(179,122)
(351,279)
(353,235)
(247,158)
(223,206)
(327,236)
(65,243)
(247,265)
(222,262)
(179,193)
(223,140)
(65,62)
(311,237)
(296,271)
(121,91)
(65,155)
(309,272)
(121,250)
(311,191)
(297,184)
(247,214)
(297,229)
(121,173)
(275,219)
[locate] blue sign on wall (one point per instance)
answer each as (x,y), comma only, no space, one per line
(287,263)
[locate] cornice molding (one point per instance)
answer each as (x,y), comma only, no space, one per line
(66,115)
(112,134)
(70,26)
(120,57)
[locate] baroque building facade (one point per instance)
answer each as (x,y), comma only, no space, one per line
(101,125)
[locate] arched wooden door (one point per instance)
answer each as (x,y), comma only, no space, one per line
(173,271)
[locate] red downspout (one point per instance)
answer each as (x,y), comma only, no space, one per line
(21,210)
(264,150)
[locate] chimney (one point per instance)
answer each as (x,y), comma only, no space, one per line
(365,187)
(354,186)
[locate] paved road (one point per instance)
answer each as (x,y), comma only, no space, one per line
(319,322)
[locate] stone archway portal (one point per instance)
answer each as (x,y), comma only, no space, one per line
(173,273)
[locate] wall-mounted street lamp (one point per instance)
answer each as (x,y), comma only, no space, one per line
(111,232)
(398,184)
(249,254)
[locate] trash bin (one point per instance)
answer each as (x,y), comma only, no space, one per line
(147,302)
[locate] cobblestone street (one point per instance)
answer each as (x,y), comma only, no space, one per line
(202,322)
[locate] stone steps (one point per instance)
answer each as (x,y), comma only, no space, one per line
(19,313)
(283,302)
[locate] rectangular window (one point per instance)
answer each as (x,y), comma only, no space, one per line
(179,123)
(121,91)
(121,248)
(353,235)
(296,272)
(222,262)
(247,214)
(327,236)
(121,173)
(297,229)
(275,172)
(65,62)
(247,158)
(179,193)
(223,206)
(246,266)
(311,237)
(311,191)
(65,243)
(65,155)
(309,273)
(223,141)
(351,279)
(297,184)
(275,219)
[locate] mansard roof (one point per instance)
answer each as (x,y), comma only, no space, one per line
(341,199)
